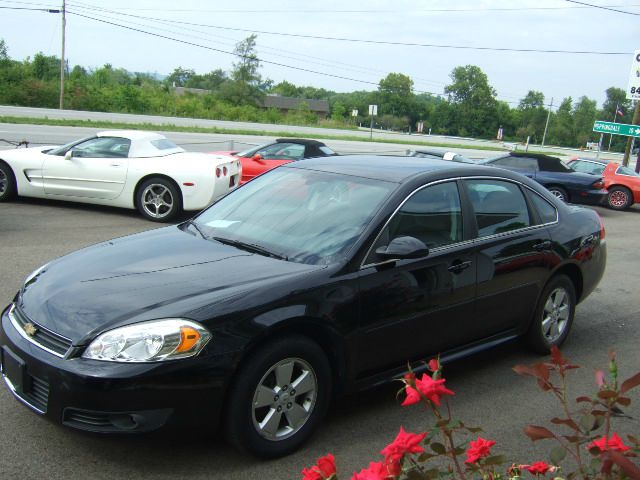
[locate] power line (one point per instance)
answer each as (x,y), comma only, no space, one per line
(186,42)
(379,42)
(603,7)
(313,11)
(48,10)
(305,57)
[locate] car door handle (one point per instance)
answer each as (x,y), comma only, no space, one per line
(458,266)
(540,246)
(116,164)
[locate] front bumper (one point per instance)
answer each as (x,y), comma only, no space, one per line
(110,397)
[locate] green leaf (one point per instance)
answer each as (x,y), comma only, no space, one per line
(442,423)
(587,422)
(415,474)
(438,448)
(474,429)
(557,455)
(495,460)
(425,457)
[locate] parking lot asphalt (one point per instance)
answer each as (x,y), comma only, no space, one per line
(488,392)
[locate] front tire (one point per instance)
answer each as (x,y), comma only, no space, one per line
(619,198)
(560,193)
(278,397)
(554,315)
(158,200)
(8,187)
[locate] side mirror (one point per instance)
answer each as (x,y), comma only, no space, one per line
(68,155)
(258,158)
(403,248)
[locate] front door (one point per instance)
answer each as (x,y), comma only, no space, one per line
(97,168)
(413,308)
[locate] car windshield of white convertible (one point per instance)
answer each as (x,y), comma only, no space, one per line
(303,215)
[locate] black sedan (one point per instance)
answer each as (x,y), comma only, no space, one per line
(563,182)
(318,278)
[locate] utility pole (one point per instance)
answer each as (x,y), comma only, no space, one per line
(62,65)
(544,135)
(615,116)
(635,121)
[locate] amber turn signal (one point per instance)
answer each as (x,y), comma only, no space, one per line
(189,337)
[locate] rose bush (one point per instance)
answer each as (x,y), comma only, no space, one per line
(598,452)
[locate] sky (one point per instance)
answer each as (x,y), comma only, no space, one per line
(211,28)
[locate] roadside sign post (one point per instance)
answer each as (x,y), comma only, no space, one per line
(599,146)
(633,93)
(373,110)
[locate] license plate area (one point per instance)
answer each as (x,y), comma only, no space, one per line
(14,368)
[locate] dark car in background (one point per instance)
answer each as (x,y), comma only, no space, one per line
(319,278)
(563,182)
(258,160)
(622,183)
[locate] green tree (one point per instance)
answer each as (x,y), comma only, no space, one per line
(562,129)
(180,76)
(396,94)
(245,88)
(584,114)
(533,116)
(4,51)
(474,101)
(532,99)
(286,89)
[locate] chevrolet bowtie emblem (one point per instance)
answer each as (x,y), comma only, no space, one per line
(30,329)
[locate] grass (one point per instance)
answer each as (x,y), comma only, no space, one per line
(229,131)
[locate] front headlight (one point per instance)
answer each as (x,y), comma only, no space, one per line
(150,342)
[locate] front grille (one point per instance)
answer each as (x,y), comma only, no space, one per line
(88,420)
(38,395)
(44,338)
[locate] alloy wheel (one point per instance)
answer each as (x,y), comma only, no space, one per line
(4,182)
(157,200)
(555,315)
(284,399)
(558,194)
(618,199)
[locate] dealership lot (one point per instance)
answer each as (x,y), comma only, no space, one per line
(488,392)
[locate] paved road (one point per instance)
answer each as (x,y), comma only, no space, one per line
(191,122)
(488,392)
(199,142)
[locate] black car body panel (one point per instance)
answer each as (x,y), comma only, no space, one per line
(551,172)
(369,317)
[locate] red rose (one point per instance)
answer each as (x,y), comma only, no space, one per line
(376,471)
(434,364)
(413,396)
(479,449)
(615,443)
(405,442)
(538,468)
(433,389)
(326,468)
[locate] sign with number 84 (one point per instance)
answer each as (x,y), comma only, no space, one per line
(633,90)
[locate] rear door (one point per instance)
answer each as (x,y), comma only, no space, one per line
(97,169)
(514,254)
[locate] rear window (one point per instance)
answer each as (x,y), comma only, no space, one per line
(622,170)
(552,164)
(163,144)
(326,150)
(546,211)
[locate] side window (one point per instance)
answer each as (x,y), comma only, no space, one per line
(499,206)
(622,170)
(432,215)
(282,151)
(523,163)
(588,167)
(546,211)
(103,147)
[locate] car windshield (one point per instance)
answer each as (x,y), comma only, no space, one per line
(249,152)
(63,149)
(492,159)
(305,216)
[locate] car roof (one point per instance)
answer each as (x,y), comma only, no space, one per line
(131,134)
(302,141)
(391,168)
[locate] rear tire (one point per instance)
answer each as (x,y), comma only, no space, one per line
(279,397)
(158,200)
(619,198)
(560,193)
(8,187)
(554,315)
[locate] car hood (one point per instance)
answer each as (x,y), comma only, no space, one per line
(24,152)
(162,273)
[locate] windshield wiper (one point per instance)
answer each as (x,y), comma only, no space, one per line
(250,247)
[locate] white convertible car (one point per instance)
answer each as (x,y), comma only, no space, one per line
(126,168)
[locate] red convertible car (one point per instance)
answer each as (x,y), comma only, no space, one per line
(622,183)
(258,160)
